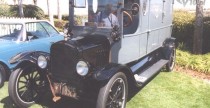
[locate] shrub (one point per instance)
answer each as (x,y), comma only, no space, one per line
(206,35)
(5,11)
(33,11)
(183,30)
(59,24)
(64,17)
(29,11)
(199,63)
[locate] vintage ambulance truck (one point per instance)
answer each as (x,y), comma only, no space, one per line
(111,47)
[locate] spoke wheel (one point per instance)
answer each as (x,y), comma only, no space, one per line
(25,85)
(171,64)
(114,93)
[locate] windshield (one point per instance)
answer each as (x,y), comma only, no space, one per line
(10,31)
(96,14)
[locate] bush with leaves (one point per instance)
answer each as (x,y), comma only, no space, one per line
(199,63)
(5,11)
(183,30)
(59,24)
(29,11)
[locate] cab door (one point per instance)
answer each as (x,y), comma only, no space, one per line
(130,41)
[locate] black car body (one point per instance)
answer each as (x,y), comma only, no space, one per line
(101,61)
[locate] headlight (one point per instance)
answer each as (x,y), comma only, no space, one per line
(42,62)
(82,68)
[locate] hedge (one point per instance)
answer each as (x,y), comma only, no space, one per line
(183,31)
(59,24)
(28,10)
(5,11)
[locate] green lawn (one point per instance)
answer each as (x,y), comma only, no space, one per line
(173,90)
(167,90)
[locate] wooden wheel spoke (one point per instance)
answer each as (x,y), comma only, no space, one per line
(23,82)
(32,75)
(25,77)
(29,77)
(23,93)
(36,75)
(21,88)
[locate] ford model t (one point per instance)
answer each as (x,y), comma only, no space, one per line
(112,46)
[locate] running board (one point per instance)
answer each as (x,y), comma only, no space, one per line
(149,73)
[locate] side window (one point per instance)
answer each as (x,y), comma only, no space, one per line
(35,31)
(50,30)
(130,22)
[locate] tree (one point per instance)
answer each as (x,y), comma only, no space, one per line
(59,10)
(20,6)
(50,13)
(198,32)
(2,2)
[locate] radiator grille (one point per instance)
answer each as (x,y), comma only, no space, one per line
(63,63)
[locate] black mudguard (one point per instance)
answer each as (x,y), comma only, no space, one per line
(103,75)
(27,57)
(168,46)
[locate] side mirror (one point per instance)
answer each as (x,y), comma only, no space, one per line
(135,9)
(80,3)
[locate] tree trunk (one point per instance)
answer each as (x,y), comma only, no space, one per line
(198,32)
(59,10)
(20,6)
(15,2)
(50,14)
(35,2)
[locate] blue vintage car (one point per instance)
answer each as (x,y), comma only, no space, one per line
(22,36)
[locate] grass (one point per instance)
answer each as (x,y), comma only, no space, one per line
(173,90)
(167,90)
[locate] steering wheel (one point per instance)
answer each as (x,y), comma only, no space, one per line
(127,19)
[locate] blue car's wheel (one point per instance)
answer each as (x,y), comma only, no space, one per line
(2,75)
(26,85)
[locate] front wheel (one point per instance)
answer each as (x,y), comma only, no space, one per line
(2,75)
(114,93)
(26,85)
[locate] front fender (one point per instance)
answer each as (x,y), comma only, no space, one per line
(30,56)
(103,75)
(168,47)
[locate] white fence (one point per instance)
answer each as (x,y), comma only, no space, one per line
(8,29)
(16,18)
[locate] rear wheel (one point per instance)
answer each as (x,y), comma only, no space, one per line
(26,85)
(2,75)
(114,93)
(171,63)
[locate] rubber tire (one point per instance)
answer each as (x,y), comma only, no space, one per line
(12,88)
(2,75)
(170,68)
(104,91)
